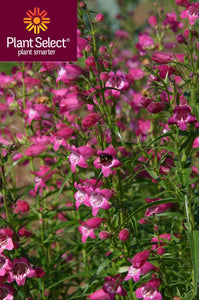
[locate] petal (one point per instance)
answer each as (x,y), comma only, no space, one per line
(138,293)
(106,171)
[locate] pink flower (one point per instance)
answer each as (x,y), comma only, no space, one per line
(153,21)
(81,196)
(124,234)
(87,228)
(160,241)
(182,116)
(161,57)
(79,156)
(140,258)
(42,176)
(113,287)
(5,265)
(172,22)
(71,102)
(21,206)
(99,199)
(184,3)
(107,160)
(122,34)
(165,70)
(6,239)
(104,235)
(68,73)
(35,150)
(84,190)
(155,107)
(60,137)
(99,18)
(98,295)
(6,292)
(136,74)
(149,290)
(21,270)
(196,143)
(35,112)
(192,13)
(136,272)
(81,45)
(145,43)
(6,81)
(118,83)
(90,120)
(156,209)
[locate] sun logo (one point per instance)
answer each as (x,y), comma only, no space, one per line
(36,20)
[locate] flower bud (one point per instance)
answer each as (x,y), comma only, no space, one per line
(180,38)
(153,21)
(104,235)
(124,235)
(99,18)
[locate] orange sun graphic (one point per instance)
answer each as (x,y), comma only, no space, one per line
(36,20)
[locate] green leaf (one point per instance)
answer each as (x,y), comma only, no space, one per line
(68,176)
(194,248)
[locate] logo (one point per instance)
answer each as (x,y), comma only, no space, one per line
(36,20)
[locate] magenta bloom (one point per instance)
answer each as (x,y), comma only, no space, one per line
(6,239)
(160,241)
(35,112)
(118,82)
(98,295)
(60,137)
(192,13)
(183,3)
(113,287)
(35,150)
(99,199)
(71,102)
(136,272)
(140,266)
(107,160)
(90,120)
(87,228)
(161,57)
(149,291)
(156,209)
(172,22)
(79,156)
(5,265)
(21,206)
(124,235)
(6,292)
(182,116)
(145,43)
(140,258)
(84,190)
(68,73)
(21,270)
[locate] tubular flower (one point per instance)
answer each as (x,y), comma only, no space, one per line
(6,292)
(87,228)
(79,156)
(21,270)
(192,13)
(118,82)
(182,116)
(106,161)
(149,291)
(6,239)
(113,287)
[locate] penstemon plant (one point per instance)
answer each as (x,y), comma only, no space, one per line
(99,164)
